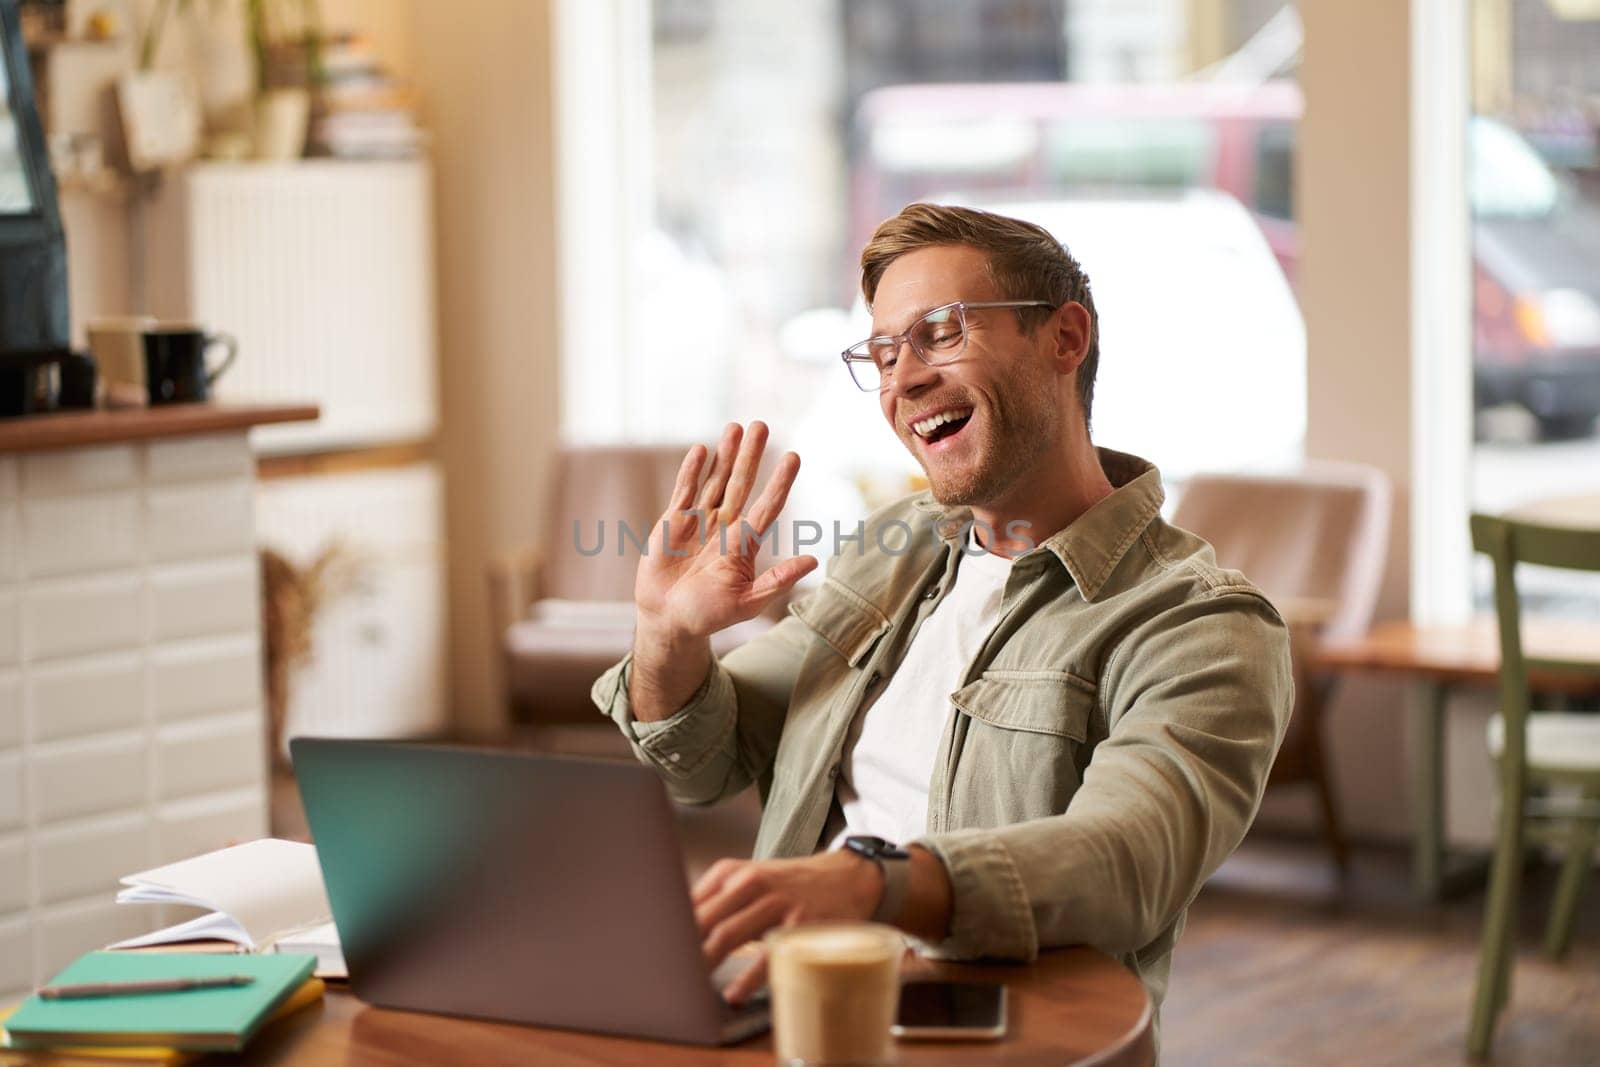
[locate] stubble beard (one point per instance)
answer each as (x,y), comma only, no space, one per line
(1015,437)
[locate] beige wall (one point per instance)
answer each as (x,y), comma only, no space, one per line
(1353,195)
(386,23)
(485,80)
(1353,191)
(483,68)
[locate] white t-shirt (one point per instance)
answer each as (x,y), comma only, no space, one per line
(888,763)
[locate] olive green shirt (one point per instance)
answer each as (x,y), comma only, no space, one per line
(1105,752)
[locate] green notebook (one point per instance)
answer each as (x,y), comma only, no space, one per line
(213,1020)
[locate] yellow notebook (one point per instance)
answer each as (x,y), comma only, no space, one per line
(310,992)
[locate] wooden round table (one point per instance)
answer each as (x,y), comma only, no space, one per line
(1073,1006)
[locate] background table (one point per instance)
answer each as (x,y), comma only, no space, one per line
(1074,1006)
(1436,660)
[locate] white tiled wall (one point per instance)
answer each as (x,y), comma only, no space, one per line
(13,874)
(16,954)
(130,684)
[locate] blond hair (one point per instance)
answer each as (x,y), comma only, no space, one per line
(1024,262)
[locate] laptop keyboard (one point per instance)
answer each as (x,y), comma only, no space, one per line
(756,1005)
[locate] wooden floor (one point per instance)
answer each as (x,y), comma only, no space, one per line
(1280,964)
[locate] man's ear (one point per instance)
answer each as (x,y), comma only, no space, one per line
(1073,332)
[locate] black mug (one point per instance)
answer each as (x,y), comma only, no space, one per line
(175,363)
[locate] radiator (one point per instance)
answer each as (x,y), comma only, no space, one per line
(323,270)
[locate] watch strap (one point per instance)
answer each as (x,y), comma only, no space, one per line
(895,865)
(896,881)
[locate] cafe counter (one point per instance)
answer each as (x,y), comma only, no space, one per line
(131,727)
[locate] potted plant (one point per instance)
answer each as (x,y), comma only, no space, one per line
(286,42)
(161,109)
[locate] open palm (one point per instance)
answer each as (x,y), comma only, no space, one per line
(700,573)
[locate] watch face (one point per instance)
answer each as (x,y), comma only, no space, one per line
(874,847)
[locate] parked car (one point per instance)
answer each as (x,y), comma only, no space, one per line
(1536,284)
(1536,269)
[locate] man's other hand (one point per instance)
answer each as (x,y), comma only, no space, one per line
(739,900)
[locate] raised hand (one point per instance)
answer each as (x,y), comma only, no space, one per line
(699,575)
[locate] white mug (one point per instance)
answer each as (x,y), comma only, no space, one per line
(118,347)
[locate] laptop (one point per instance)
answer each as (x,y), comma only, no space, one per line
(512,886)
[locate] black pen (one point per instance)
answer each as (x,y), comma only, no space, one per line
(158,985)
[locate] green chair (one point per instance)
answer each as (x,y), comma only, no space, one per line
(1534,749)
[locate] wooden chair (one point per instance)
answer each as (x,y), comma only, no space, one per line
(1315,541)
(1534,749)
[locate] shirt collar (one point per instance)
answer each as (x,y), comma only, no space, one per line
(1095,542)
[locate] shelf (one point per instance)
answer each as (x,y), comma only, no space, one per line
(75,429)
(106,184)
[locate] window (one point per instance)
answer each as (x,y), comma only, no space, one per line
(1274,189)
(779,136)
(14,196)
(1147,152)
(1533,183)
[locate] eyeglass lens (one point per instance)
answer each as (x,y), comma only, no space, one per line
(937,337)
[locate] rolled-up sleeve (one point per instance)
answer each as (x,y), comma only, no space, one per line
(724,738)
(991,914)
(683,746)
(1197,702)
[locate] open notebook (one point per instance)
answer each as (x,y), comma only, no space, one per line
(264,896)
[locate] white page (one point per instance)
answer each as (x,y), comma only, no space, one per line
(267,887)
(321,942)
(212,926)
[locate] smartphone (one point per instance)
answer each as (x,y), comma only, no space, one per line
(974,1011)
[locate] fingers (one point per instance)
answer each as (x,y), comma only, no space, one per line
(776,493)
(688,478)
(711,883)
(746,925)
(678,520)
(721,467)
(726,488)
(739,990)
(744,469)
(778,578)
(742,886)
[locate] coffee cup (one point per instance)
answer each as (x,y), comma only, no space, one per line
(175,362)
(118,348)
(834,990)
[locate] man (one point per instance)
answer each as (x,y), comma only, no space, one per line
(1059,705)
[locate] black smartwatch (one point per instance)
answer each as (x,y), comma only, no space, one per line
(895,863)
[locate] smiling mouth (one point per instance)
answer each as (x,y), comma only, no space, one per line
(943,424)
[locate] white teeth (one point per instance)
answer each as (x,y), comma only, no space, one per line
(924,427)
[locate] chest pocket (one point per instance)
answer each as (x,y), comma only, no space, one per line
(1021,746)
(847,622)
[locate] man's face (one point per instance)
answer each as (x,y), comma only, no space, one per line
(1004,393)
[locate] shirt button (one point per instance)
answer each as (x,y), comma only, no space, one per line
(931,594)
(675,757)
(833,772)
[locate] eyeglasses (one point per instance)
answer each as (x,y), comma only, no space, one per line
(939,337)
